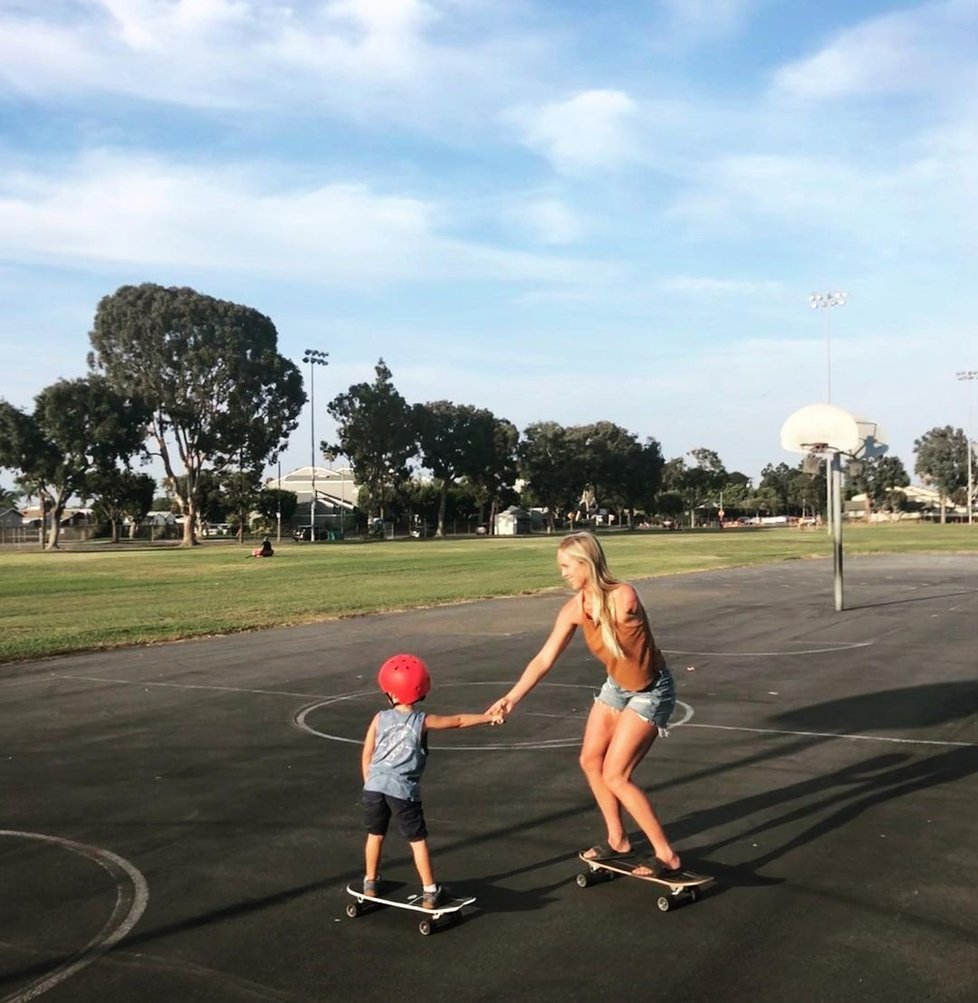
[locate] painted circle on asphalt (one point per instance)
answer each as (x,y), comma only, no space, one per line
(301,719)
(132,895)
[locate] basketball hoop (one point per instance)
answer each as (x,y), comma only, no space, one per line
(826,433)
(812,463)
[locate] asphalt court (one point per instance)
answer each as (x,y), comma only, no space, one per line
(180,821)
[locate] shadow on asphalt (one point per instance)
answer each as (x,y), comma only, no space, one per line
(847,793)
(888,710)
(911,599)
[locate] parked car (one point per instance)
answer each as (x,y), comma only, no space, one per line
(218,529)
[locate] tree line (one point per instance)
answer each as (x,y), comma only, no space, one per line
(480,462)
(199,384)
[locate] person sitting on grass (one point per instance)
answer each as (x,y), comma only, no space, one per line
(265,550)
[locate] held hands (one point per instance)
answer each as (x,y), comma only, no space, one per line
(500,710)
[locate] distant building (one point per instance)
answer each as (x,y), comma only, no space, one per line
(513,521)
(71,518)
(922,502)
(10,518)
(335,493)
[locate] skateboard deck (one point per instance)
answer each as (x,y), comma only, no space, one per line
(682,886)
(450,907)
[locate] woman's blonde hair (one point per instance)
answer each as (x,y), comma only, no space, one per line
(584,547)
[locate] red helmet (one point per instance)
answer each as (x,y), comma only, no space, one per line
(404,678)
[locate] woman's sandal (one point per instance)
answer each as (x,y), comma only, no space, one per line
(657,869)
(602,851)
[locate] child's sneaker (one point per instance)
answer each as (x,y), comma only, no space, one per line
(370,886)
(432,900)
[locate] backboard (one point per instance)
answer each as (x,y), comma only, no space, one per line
(873,438)
(822,427)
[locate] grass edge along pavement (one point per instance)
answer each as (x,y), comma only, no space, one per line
(93,598)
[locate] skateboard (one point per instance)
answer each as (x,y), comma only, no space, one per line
(450,910)
(683,887)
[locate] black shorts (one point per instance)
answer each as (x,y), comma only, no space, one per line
(377,811)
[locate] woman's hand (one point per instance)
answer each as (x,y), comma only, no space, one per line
(501,708)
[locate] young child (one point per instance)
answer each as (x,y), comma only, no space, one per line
(394,754)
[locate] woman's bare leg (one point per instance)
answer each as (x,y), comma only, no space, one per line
(630,741)
(598,734)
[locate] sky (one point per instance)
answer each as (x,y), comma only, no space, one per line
(554,209)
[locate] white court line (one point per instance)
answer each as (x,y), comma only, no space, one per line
(111,933)
(556,743)
(835,734)
(550,743)
(184,686)
(830,650)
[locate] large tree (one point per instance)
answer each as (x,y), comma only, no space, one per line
(942,460)
(221,395)
(777,488)
(24,450)
(616,470)
(121,494)
(79,428)
(881,478)
(376,432)
(8,498)
(460,441)
(275,507)
(700,484)
(494,473)
(549,466)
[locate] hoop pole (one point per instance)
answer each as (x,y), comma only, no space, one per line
(835,479)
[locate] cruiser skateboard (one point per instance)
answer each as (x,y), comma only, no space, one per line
(447,914)
(683,887)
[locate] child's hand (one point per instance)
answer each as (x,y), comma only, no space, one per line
(502,707)
(497,718)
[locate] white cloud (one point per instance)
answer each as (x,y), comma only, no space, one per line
(110,210)
(708,18)
(716,287)
(921,205)
(349,57)
(549,221)
(592,130)
(918,49)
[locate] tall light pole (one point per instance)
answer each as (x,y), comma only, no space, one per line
(315,358)
(969,375)
(278,514)
(825,302)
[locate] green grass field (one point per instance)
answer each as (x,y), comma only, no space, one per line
(93,597)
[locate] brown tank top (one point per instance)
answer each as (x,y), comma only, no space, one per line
(641,660)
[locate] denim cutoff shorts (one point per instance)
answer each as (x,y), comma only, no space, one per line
(654,704)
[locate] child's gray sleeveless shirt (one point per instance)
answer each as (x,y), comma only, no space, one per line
(400,753)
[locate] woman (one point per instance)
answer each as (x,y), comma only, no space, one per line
(265,550)
(632,707)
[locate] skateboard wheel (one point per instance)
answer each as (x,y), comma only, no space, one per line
(425,927)
(663,903)
(353,910)
(583,880)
